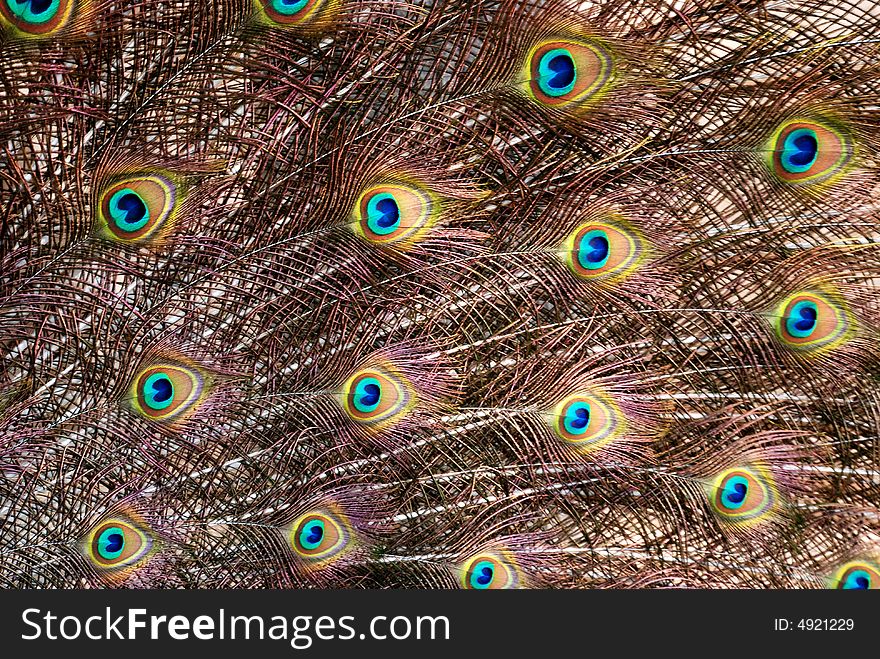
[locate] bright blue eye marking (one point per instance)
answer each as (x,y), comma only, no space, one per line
(799,150)
(735,491)
(803,319)
(367,395)
(857,580)
(383,214)
(111,542)
(158,391)
(577,418)
(289,7)
(594,250)
(34,11)
(311,536)
(557,73)
(483,575)
(128,210)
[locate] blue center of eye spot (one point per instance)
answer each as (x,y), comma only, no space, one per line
(594,251)
(383,214)
(158,391)
(807,320)
(111,543)
(738,494)
(163,390)
(803,319)
(735,492)
(483,575)
(598,249)
(371,395)
(582,418)
(312,534)
(114,542)
(367,394)
(34,11)
(128,209)
(390,214)
(800,150)
(563,69)
(289,7)
(857,580)
(577,418)
(557,72)
(315,533)
(133,207)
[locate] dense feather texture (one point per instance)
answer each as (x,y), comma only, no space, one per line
(478,294)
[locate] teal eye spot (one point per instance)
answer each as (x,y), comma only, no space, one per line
(158,391)
(383,214)
(111,542)
(577,418)
(128,210)
(289,7)
(857,580)
(34,11)
(594,250)
(367,395)
(482,575)
(557,72)
(800,149)
(312,535)
(803,319)
(736,489)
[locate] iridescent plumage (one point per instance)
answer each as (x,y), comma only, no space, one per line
(442,293)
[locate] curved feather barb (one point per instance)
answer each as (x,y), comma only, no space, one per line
(454,294)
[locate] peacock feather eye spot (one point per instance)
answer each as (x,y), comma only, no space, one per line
(377,397)
(166,392)
(135,208)
(383,214)
(288,13)
(111,542)
(802,319)
(158,391)
(799,150)
(556,72)
(598,251)
(483,575)
(490,571)
(586,421)
(367,395)
(742,495)
(118,545)
(566,73)
(594,250)
(321,536)
(735,492)
(812,322)
(394,214)
(803,151)
(857,580)
(128,210)
(857,575)
(36,17)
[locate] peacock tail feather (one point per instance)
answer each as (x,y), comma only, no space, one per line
(475,294)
